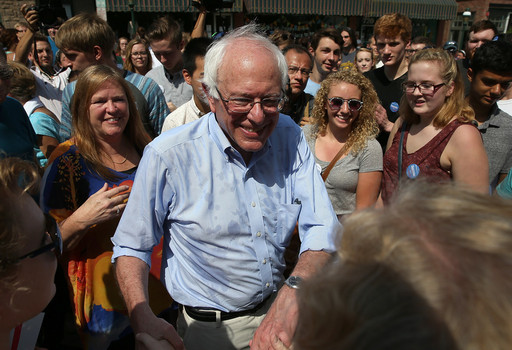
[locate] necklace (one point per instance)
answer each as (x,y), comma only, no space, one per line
(118,163)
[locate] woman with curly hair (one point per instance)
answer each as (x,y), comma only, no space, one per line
(138,58)
(342,137)
(434,137)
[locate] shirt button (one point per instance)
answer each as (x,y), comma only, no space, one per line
(253,204)
(258,234)
(264,261)
(267,285)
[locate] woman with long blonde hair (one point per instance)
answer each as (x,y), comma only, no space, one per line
(434,136)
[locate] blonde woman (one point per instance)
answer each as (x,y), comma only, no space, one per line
(138,58)
(364,60)
(434,137)
(342,134)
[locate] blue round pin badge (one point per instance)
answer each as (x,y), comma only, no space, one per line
(412,171)
(393,107)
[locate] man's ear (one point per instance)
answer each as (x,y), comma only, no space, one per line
(211,100)
(187,76)
(471,75)
(97,53)
(311,51)
(181,45)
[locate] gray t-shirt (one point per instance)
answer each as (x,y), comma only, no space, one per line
(342,181)
(497,137)
(174,87)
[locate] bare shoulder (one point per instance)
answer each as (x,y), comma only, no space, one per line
(396,126)
(466,134)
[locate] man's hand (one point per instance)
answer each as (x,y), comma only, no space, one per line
(146,341)
(132,277)
(382,119)
(158,331)
(31,16)
(277,329)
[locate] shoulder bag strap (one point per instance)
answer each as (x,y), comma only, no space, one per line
(327,170)
(400,147)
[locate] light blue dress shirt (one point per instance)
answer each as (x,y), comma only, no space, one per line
(226,225)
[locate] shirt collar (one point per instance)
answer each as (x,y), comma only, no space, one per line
(195,109)
(224,145)
(173,76)
(491,121)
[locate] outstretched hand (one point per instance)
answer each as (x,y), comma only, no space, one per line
(146,340)
(153,333)
(277,329)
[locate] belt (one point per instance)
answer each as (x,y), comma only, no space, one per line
(211,316)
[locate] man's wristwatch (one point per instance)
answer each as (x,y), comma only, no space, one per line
(293,282)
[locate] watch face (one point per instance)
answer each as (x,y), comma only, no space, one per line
(294,281)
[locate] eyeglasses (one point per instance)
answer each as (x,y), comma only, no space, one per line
(335,104)
(424,88)
(52,230)
(244,105)
(141,53)
(292,70)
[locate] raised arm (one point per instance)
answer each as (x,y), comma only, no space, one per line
(25,44)
(199,27)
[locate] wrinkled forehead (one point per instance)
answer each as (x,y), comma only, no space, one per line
(246,57)
(300,57)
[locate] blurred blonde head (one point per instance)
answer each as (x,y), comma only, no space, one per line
(447,249)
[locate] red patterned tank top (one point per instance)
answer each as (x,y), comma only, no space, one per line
(424,163)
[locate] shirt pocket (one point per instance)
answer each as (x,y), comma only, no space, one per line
(287,217)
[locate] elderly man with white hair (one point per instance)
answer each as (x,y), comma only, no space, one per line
(226,192)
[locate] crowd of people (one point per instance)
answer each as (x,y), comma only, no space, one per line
(171,177)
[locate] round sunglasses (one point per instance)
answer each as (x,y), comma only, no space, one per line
(335,103)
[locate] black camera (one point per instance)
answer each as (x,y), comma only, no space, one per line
(214,5)
(49,12)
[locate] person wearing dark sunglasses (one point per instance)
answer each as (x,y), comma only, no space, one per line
(29,242)
(342,138)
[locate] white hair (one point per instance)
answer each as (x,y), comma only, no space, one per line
(217,50)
